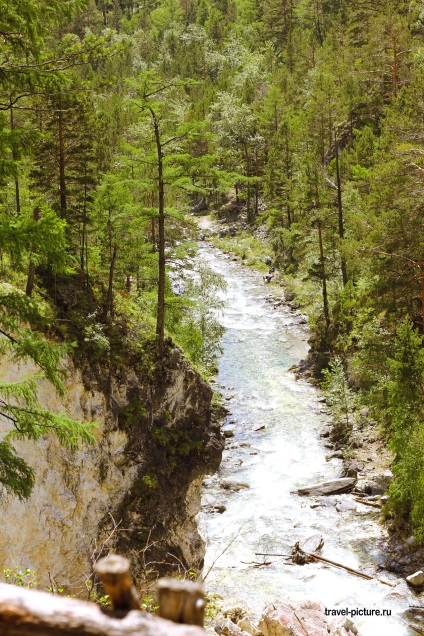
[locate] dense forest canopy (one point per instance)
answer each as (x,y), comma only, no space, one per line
(117,116)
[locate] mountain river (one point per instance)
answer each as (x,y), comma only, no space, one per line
(262,341)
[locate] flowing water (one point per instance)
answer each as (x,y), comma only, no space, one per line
(260,345)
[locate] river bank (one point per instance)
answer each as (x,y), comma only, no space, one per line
(273,447)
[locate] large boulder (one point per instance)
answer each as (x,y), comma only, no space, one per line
(247,626)
(333,487)
(199,207)
(305,618)
(416,579)
(379,484)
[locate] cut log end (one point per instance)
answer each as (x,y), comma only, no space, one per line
(114,573)
(181,601)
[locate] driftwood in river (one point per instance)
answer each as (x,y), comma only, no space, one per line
(300,557)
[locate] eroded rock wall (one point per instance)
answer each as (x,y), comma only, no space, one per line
(155,442)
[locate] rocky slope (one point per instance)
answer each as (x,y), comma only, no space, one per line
(137,489)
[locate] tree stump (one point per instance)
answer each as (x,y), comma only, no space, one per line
(181,601)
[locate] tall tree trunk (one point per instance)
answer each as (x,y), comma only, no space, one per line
(31,266)
(14,157)
(256,187)
(109,296)
(422,291)
(324,279)
(395,65)
(153,234)
(340,210)
(247,172)
(83,238)
(289,218)
(289,174)
(62,181)
(160,323)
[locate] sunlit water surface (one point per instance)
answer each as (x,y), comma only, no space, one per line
(261,343)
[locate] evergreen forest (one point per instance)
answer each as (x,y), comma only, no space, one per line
(118,117)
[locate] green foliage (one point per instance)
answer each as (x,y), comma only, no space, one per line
(404,389)
(100,599)
(149,481)
(148,604)
(212,606)
(22,578)
(19,405)
(338,393)
(194,319)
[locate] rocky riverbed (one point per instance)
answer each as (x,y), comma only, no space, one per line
(273,448)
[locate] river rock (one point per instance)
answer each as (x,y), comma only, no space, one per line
(305,618)
(212,508)
(351,469)
(248,627)
(228,432)
(336,455)
(199,207)
(395,566)
(228,628)
(416,579)
(258,427)
(235,486)
(333,487)
(378,484)
(312,544)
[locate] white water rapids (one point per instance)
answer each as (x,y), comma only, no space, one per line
(260,344)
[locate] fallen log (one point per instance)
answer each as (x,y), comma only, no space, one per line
(368,503)
(31,613)
(351,570)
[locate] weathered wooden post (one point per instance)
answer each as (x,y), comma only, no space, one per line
(181,601)
(114,572)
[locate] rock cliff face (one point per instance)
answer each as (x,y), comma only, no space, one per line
(137,489)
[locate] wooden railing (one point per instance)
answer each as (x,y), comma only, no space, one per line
(26,612)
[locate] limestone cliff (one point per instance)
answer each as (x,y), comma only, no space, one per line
(155,442)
